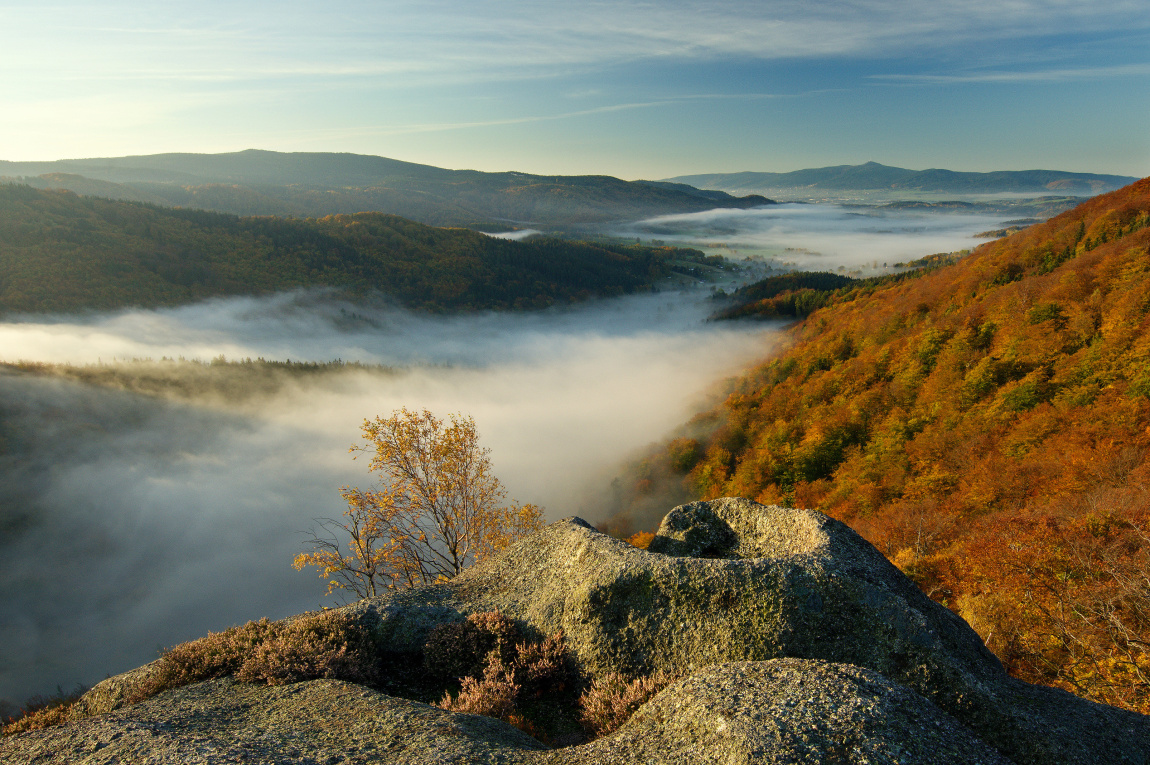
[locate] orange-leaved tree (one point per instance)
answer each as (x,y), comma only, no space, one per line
(437,508)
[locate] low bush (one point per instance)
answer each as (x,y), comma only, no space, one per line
(516,681)
(326,645)
(460,649)
(519,682)
(494,695)
(42,718)
(43,711)
(542,667)
(612,699)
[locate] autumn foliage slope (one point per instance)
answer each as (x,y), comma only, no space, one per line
(986,426)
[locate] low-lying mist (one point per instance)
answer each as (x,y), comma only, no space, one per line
(823,237)
(132,522)
(128,522)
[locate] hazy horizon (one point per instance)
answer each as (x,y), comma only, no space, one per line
(631,89)
(857,162)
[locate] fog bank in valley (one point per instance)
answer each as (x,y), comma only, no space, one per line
(128,523)
(132,523)
(823,237)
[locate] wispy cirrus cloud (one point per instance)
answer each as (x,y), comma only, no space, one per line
(385,130)
(439,126)
(493,39)
(1036,76)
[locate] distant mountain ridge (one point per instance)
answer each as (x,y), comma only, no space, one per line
(873,176)
(255,182)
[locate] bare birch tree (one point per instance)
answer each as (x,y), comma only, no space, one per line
(437,508)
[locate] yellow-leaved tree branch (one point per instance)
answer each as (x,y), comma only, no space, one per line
(437,508)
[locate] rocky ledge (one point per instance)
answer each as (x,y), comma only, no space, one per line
(795,639)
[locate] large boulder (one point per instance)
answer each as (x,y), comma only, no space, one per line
(733,581)
(788,711)
(775,582)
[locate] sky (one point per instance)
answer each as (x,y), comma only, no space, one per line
(633,89)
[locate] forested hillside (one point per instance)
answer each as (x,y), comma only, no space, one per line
(314,184)
(61,252)
(986,425)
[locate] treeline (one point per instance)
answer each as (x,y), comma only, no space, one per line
(218,379)
(987,425)
(797,294)
(801,293)
(62,253)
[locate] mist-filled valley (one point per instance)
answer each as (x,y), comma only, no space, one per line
(135,522)
(825,237)
(132,522)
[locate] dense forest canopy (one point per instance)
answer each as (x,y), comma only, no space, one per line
(987,425)
(61,252)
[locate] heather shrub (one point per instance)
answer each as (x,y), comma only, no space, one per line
(612,699)
(521,683)
(325,645)
(494,695)
(542,667)
(216,655)
(460,649)
(41,718)
(43,711)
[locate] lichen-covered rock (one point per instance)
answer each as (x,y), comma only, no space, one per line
(772,583)
(224,721)
(696,531)
(733,527)
(781,711)
(112,692)
(789,711)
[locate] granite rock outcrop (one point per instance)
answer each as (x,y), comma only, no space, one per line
(796,640)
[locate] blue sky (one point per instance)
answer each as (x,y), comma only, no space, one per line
(634,89)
